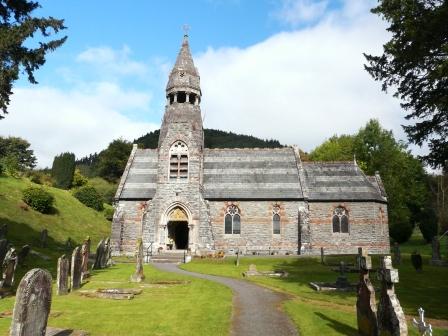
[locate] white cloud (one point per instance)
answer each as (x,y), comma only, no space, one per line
(300,87)
(79,121)
(113,61)
(295,12)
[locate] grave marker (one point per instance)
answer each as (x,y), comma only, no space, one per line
(9,268)
(76,268)
(138,276)
(62,276)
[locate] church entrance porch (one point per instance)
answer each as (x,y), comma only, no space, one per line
(177,235)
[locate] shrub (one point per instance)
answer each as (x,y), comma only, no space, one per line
(38,199)
(428,224)
(109,213)
(88,196)
(78,179)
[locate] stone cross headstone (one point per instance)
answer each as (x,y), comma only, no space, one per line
(365,305)
(9,268)
(23,254)
(3,249)
(99,255)
(85,252)
(436,257)
(391,319)
(33,303)
(397,254)
(62,276)
(237,258)
(43,238)
(425,329)
(342,280)
(138,276)
(76,268)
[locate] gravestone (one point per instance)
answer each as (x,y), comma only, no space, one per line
(9,268)
(43,238)
(32,306)
(138,276)
(3,249)
(322,256)
(397,254)
(436,257)
(252,271)
(3,231)
(106,261)
(417,261)
(99,255)
(342,280)
(76,268)
(237,258)
(23,254)
(62,276)
(365,305)
(424,329)
(85,252)
(68,244)
(391,319)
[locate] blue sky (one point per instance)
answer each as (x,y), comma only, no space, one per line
(288,69)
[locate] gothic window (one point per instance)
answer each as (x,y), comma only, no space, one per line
(232,220)
(178,161)
(340,220)
(276,219)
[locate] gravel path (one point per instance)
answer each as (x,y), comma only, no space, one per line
(256,310)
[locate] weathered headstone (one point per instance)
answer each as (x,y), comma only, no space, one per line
(3,231)
(9,268)
(138,276)
(417,261)
(3,249)
(424,329)
(85,252)
(76,268)
(397,254)
(107,256)
(23,254)
(252,271)
(322,256)
(43,238)
(342,280)
(99,255)
(62,276)
(365,304)
(237,258)
(33,303)
(436,257)
(391,319)
(68,244)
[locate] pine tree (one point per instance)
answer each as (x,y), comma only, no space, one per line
(63,170)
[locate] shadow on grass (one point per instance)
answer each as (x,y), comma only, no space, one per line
(339,327)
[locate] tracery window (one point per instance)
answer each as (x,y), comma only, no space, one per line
(340,220)
(276,219)
(179,161)
(232,220)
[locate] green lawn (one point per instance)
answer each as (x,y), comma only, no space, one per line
(70,218)
(330,313)
(198,307)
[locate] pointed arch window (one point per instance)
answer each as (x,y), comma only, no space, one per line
(340,220)
(178,161)
(276,219)
(232,220)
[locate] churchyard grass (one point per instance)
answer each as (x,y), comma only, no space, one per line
(334,313)
(198,307)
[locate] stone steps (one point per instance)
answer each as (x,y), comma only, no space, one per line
(176,256)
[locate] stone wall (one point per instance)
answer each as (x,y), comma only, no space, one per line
(257,228)
(368,228)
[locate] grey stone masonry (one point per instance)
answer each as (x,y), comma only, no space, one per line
(33,303)
(182,189)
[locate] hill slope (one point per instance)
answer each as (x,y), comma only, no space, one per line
(70,219)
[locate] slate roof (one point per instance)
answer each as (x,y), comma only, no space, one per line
(141,179)
(251,173)
(332,181)
(254,173)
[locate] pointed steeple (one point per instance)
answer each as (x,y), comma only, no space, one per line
(184,76)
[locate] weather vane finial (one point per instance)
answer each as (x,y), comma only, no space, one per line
(186,29)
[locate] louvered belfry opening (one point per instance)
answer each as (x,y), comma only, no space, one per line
(179,161)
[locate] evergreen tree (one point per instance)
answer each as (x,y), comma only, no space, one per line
(63,170)
(414,63)
(17,27)
(112,161)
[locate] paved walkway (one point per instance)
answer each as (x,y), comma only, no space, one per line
(256,310)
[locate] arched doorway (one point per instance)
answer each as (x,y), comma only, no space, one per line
(178,231)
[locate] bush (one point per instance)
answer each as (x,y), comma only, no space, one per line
(78,179)
(428,224)
(88,196)
(108,213)
(106,189)
(38,199)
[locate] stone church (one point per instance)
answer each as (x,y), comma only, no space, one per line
(255,200)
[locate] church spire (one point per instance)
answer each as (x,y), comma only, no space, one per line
(184,77)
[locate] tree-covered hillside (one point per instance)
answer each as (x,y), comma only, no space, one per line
(215,139)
